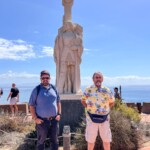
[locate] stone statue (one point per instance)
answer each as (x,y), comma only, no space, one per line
(67,54)
(67,9)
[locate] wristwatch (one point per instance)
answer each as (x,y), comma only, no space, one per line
(59,114)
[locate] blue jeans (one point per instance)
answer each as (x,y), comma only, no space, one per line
(48,129)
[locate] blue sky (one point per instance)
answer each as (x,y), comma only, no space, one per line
(116,39)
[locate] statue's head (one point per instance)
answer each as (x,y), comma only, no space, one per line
(67,2)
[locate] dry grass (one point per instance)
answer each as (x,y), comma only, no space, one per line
(13,130)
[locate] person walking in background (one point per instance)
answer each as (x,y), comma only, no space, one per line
(14,98)
(1,92)
(45,108)
(116,93)
(98,101)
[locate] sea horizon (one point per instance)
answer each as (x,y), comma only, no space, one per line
(129,93)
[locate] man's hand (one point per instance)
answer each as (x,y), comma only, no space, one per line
(38,121)
(57,117)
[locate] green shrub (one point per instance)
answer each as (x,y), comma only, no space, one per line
(130,113)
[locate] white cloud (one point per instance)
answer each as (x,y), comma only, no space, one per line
(20,78)
(23,75)
(86,49)
(119,80)
(15,49)
(47,51)
(29,78)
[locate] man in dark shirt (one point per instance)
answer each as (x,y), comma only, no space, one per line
(1,92)
(14,98)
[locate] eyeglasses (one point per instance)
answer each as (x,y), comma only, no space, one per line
(98,77)
(45,78)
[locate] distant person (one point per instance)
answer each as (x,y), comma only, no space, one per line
(116,93)
(14,98)
(45,108)
(1,92)
(98,101)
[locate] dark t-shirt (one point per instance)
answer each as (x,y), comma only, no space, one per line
(117,95)
(15,92)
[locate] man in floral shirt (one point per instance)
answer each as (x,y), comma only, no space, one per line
(98,100)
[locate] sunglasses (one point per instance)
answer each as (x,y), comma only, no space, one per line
(98,77)
(43,78)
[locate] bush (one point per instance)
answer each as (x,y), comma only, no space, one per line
(130,113)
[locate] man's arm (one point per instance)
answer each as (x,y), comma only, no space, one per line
(33,114)
(111,104)
(9,96)
(84,98)
(59,111)
(59,107)
(84,103)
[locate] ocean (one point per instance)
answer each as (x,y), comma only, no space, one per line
(129,93)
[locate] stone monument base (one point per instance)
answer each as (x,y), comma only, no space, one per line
(72,111)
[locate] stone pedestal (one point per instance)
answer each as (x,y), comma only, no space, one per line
(72,111)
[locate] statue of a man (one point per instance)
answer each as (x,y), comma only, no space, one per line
(67,53)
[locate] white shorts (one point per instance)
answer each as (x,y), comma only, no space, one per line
(13,100)
(93,128)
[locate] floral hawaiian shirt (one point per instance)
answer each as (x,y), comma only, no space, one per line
(98,100)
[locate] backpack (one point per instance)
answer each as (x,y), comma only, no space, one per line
(1,90)
(38,90)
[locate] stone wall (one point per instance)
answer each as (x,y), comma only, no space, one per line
(22,108)
(142,108)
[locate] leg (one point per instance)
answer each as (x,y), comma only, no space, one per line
(65,87)
(91,134)
(53,134)
(16,109)
(42,131)
(90,146)
(106,145)
(105,134)
(12,110)
(62,77)
(69,79)
(73,80)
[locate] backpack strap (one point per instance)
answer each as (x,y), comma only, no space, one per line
(38,90)
(54,88)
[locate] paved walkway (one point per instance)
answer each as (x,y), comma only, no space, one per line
(145,118)
(146,146)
